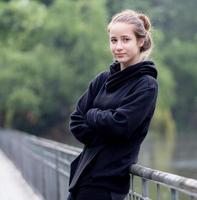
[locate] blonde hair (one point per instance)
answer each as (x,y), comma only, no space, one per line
(142,27)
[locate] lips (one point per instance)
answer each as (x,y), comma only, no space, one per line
(120,55)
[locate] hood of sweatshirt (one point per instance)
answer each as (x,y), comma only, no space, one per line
(118,77)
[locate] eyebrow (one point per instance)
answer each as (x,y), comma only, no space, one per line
(122,36)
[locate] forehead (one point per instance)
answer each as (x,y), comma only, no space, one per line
(120,28)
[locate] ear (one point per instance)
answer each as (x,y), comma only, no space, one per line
(140,42)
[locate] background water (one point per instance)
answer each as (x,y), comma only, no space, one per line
(175,153)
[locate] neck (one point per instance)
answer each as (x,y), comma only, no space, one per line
(125,65)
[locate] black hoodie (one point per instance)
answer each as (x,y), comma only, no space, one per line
(111,119)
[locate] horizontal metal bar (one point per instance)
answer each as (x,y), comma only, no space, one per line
(186,185)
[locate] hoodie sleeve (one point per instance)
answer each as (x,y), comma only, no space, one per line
(122,122)
(78,124)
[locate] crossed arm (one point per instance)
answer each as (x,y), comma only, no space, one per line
(119,123)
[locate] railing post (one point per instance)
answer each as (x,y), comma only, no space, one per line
(132,187)
(174,194)
(158,192)
(144,188)
(57,175)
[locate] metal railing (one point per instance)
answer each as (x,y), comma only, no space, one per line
(165,185)
(45,165)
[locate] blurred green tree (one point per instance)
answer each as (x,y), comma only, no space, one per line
(51,49)
(49,54)
(175,52)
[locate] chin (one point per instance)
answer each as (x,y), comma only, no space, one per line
(121,60)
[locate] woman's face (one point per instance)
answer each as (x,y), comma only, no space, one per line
(124,45)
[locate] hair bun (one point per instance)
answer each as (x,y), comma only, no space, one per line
(146,21)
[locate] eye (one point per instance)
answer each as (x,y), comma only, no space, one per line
(125,40)
(113,40)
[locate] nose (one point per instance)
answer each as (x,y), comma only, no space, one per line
(119,45)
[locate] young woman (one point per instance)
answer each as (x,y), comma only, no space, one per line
(112,117)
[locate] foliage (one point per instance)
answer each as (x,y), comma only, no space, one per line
(175,54)
(44,65)
(51,49)
(182,63)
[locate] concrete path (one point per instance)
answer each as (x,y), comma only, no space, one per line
(12,184)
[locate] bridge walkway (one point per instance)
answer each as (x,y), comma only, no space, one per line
(12,184)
